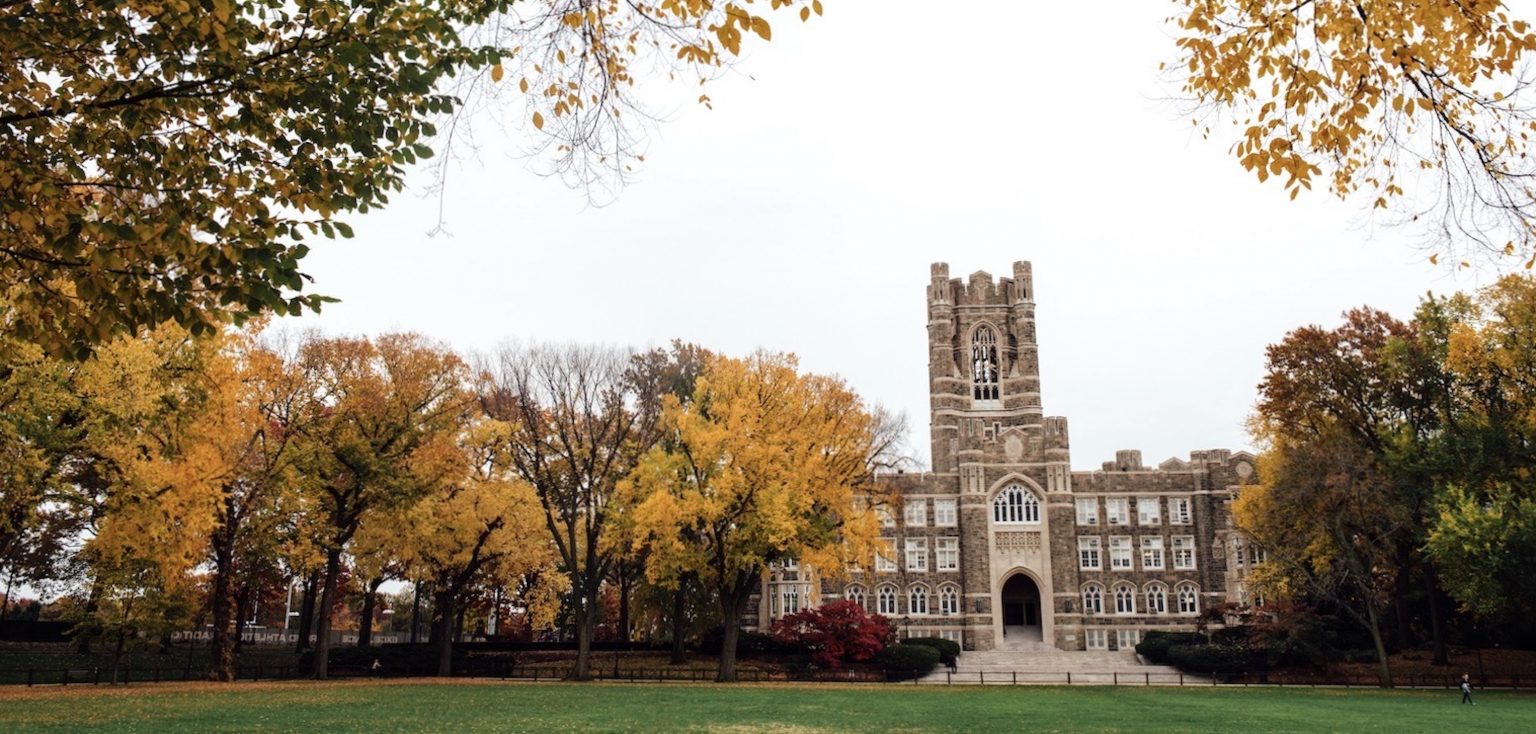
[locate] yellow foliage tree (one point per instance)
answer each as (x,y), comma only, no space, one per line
(487,525)
(762,464)
(1418,105)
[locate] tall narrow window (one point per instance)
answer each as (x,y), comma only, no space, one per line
(1120,553)
(917,554)
(1189,599)
(1088,553)
(1184,552)
(917,601)
(1016,504)
(885,601)
(916,512)
(1151,553)
(1125,599)
(944,513)
(855,594)
(1157,599)
(948,551)
(1093,600)
(949,601)
(984,382)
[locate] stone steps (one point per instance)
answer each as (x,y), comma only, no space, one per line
(1056,667)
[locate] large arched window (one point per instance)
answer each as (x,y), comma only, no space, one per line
(949,601)
(1125,599)
(1157,599)
(1015,504)
(1189,598)
(984,380)
(885,601)
(855,594)
(1093,599)
(917,600)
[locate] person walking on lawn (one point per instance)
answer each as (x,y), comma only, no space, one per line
(1466,690)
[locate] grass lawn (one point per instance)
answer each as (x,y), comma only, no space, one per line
(460,706)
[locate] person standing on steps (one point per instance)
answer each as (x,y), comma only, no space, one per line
(1466,690)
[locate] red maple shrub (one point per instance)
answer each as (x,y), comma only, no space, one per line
(835,634)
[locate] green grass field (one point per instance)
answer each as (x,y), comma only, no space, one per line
(513,707)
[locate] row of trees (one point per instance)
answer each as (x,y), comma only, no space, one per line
(232,462)
(1397,467)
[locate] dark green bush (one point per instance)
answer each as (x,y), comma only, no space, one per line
(908,661)
(747,643)
(1154,645)
(948,649)
(1206,659)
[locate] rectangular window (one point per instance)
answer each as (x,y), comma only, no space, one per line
(948,550)
(917,554)
(1256,555)
(951,635)
(916,513)
(1096,639)
(1151,553)
(1178,511)
(1127,639)
(1184,552)
(1088,553)
(887,520)
(1119,511)
(1147,511)
(944,514)
(885,556)
(1120,554)
(1088,511)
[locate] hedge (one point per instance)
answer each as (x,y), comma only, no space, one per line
(747,643)
(1155,644)
(1205,659)
(908,661)
(949,650)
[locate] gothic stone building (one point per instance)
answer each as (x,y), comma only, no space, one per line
(1003,545)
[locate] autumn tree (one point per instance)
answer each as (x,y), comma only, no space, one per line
(1330,525)
(1422,108)
(175,162)
(1484,536)
(577,427)
(1378,386)
(486,520)
(390,410)
(762,465)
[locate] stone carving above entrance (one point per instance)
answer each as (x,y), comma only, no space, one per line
(1018,541)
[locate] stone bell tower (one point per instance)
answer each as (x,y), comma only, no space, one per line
(989,433)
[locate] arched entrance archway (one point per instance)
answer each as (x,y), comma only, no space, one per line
(1020,599)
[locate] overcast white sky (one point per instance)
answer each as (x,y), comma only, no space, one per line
(802,213)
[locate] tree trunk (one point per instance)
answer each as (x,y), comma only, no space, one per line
(625,583)
(92,603)
(323,622)
(416,615)
(365,620)
(242,613)
(458,622)
(679,625)
(221,649)
(1381,646)
(307,612)
(1404,583)
(442,631)
(732,603)
(1436,620)
(586,620)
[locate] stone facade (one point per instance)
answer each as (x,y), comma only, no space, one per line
(1002,544)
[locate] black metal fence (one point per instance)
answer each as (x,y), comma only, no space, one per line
(129,675)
